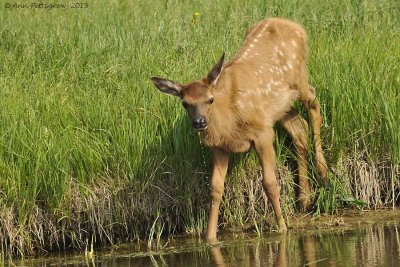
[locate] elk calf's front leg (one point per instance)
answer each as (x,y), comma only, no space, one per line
(265,151)
(220,167)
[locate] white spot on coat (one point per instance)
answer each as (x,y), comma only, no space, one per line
(239,104)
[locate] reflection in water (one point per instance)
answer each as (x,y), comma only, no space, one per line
(217,257)
(276,254)
(369,246)
(373,245)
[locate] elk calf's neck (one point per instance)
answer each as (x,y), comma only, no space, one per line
(237,105)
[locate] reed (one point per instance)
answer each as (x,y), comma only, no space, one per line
(89,149)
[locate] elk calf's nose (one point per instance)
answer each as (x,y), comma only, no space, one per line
(199,123)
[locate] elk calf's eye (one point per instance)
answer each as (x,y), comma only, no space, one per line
(211,100)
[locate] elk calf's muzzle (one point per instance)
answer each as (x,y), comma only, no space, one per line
(199,123)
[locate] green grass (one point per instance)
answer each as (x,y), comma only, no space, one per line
(89,148)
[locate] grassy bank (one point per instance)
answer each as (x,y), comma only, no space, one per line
(89,150)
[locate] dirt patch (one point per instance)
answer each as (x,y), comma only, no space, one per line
(344,218)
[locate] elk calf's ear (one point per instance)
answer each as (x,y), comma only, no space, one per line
(167,86)
(216,70)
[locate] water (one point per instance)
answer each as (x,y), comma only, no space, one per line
(365,245)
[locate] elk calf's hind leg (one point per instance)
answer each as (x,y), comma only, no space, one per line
(220,168)
(316,120)
(266,153)
(297,128)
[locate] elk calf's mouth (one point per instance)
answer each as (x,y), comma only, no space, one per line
(201,129)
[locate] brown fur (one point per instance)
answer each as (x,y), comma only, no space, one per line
(252,92)
(239,83)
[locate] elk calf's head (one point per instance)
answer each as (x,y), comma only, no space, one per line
(197,97)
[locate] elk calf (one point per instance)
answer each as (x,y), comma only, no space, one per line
(236,106)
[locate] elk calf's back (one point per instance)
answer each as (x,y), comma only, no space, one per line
(259,85)
(237,105)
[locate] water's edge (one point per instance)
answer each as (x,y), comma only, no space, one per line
(354,238)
